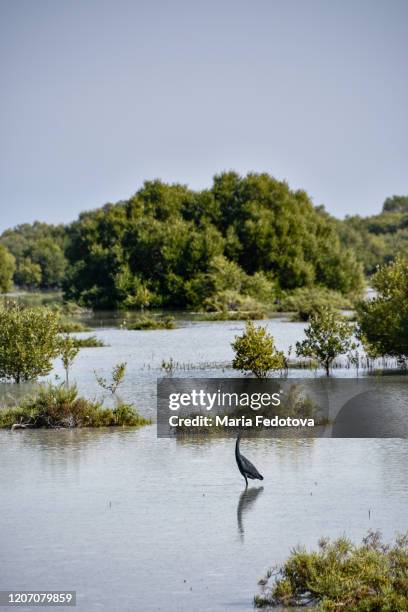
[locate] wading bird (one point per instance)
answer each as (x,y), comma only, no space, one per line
(244,465)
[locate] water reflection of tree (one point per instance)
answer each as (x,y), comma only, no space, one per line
(246,501)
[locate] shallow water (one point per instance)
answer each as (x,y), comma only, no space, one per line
(135,523)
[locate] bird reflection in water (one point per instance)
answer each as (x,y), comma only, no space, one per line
(246,501)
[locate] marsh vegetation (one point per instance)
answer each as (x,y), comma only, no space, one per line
(59,406)
(341,575)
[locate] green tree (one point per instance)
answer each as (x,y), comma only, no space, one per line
(378,239)
(396,204)
(50,257)
(68,351)
(328,335)
(7,267)
(255,352)
(28,273)
(383,321)
(40,244)
(173,247)
(117,378)
(28,341)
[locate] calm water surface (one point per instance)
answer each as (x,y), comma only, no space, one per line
(135,523)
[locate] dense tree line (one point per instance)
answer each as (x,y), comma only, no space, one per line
(7,269)
(38,251)
(243,239)
(377,239)
(383,320)
(171,246)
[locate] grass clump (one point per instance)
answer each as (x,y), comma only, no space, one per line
(231,315)
(306,301)
(59,406)
(148,322)
(228,302)
(88,342)
(342,576)
(66,325)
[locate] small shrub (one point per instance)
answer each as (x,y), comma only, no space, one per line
(327,336)
(168,366)
(255,352)
(231,301)
(68,326)
(68,351)
(117,378)
(147,322)
(28,341)
(306,301)
(225,315)
(259,286)
(60,406)
(342,576)
(88,342)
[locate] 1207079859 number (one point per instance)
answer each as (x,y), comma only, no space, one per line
(37,598)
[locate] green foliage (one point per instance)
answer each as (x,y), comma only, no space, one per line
(260,287)
(168,365)
(306,301)
(117,378)
(232,301)
(255,352)
(224,275)
(28,341)
(383,321)
(147,322)
(342,576)
(50,299)
(171,246)
(231,315)
(60,406)
(68,351)
(328,335)
(39,252)
(7,268)
(397,204)
(65,311)
(28,273)
(174,247)
(88,342)
(50,257)
(378,239)
(67,326)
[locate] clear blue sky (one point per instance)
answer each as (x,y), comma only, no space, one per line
(97,96)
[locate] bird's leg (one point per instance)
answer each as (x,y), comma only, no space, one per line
(246,481)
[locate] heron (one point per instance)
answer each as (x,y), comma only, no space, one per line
(247,469)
